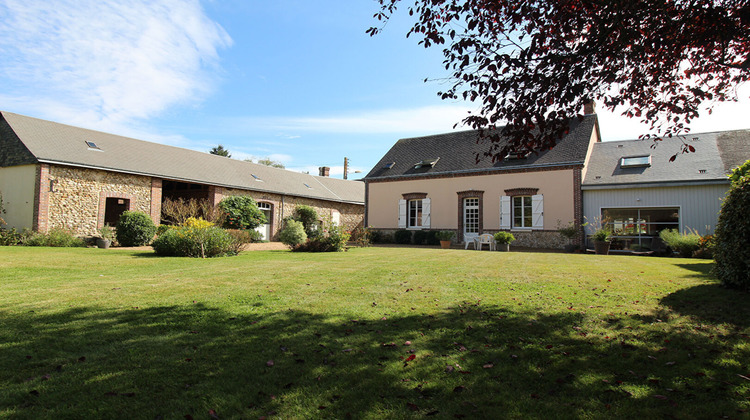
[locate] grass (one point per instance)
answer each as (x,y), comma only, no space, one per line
(370,333)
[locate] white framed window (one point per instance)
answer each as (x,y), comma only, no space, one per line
(522,212)
(414,213)
(471,216)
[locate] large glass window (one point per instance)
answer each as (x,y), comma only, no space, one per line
(522,211)
(634,229)
(415,213)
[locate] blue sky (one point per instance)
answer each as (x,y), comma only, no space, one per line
(298,81)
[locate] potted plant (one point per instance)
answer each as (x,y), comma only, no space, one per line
(601,241)
(503,240)
(106,233)
(570,232)
(445,237)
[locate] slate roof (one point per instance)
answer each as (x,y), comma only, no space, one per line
(457,153)
(716,154)
(25,140)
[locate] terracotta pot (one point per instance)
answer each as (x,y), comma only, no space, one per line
(445,244)
(601,247)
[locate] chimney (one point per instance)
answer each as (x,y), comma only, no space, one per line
(325,171)
(589,108)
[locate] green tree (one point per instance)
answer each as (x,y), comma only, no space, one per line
(220,151)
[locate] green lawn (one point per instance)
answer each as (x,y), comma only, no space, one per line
(370,333)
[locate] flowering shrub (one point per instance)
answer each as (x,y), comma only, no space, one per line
(198,223)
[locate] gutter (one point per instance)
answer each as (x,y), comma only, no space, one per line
(653,184)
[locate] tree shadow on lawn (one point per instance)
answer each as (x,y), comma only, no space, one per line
(711,303)
(473,361)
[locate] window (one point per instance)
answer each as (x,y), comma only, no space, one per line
(635,228)
(635,161)
(522,211)
(471,216)
(426,163)
(415,213)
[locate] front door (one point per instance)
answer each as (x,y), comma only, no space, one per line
(265,229)
(471,218)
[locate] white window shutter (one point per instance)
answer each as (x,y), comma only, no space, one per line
(426,213)
(537,211)
(401,214)
(505,216)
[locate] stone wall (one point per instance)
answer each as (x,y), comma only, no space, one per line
(76,197)
(351,215)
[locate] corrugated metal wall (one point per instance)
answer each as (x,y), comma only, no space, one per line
(699,205)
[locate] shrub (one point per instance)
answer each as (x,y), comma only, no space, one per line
(362,236)
(334,242)
(241,212)
(380,237)
(163,228)
(402,236)
(309,218)
(504,237)
(445,235)
(569,231)
(419,237)
(191,241)
(732,237)
(57,237)
(177,212)
(135,229)
(293,233)
(684,243)
(705,247)
(10,237)
(431,238)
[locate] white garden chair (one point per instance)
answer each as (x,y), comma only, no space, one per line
(485,238)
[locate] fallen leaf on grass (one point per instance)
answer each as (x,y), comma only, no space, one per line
(269,363)
(213,414)
(488,366)
(412,406)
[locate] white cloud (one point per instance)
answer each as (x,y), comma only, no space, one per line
(424,120)
(106,63)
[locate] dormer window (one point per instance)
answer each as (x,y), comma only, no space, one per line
(389,165)
(635,161)
(517,155)
(427,163)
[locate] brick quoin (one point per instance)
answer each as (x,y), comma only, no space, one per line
(41,199)
(156,191)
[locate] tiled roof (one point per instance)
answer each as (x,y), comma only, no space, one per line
(52,142)
(716,154)
(457,153)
